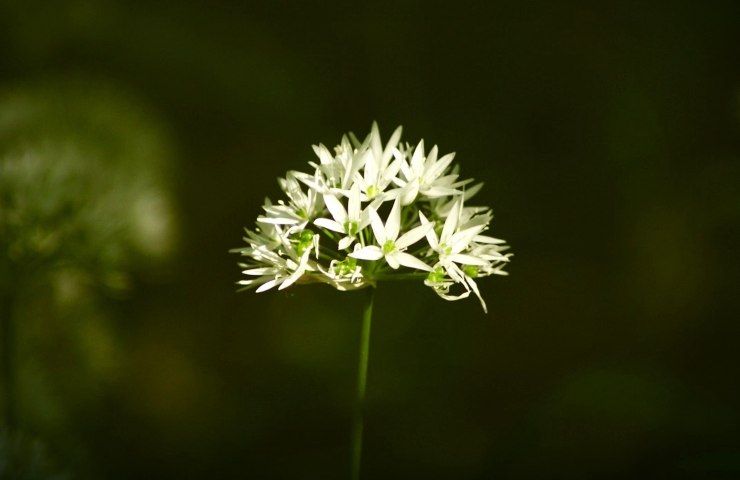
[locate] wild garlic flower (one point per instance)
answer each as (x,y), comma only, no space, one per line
(330,227)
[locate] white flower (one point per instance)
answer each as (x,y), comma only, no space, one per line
(298,211)
(378,170)
(389,245)
(455,238)
(441,283)
(267,234)
(282,273)
(424,175)
(344,275)
(341,169)
(335,173)
(350,221)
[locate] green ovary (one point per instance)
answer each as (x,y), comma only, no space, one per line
(437,275)
(389,246)
(304,241)
(346,266)
(471,271)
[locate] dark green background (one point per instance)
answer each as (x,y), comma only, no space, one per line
(607,135)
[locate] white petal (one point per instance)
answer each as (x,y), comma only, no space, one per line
(298,272)
(467,259)
(451,222)
(393,224)
(260,271)
(453,298)
(474,287)
(390,194)
(470,192)
(288,281)
(360,180)
(355,141)
(388,152)
(437,191)
(375,144)
(417,160)
(364,219)
(353,209)
(278,220)
(432,157)
(409,192)
(440,166)
(291,279)
(345,242)
(370,173)
(460,240)
(487,239)
(454,272)
(459,184)
(406,171)
(390,172)
(410,261)
(392,260)
(413,236)
(329,225)
(323,153)
(336,208)
(377,225)
(266,286)
(431,234)
(371,252)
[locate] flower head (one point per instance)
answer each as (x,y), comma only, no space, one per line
(330,228)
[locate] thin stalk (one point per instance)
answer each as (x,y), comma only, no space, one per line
(367,315)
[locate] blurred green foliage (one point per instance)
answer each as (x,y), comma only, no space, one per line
(85,204)
(136,140)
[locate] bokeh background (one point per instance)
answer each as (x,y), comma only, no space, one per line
(136,140)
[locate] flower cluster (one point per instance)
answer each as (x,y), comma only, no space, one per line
(370,213)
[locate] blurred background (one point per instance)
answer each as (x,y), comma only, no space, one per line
(136,140)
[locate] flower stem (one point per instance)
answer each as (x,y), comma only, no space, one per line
(367,315)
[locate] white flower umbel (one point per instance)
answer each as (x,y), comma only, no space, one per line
(333,232)
(340,201)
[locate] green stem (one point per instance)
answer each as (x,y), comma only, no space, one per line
(367,315)
(7,330)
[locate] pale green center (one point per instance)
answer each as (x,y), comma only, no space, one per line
(389,246)
(351,228)
(372,190)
